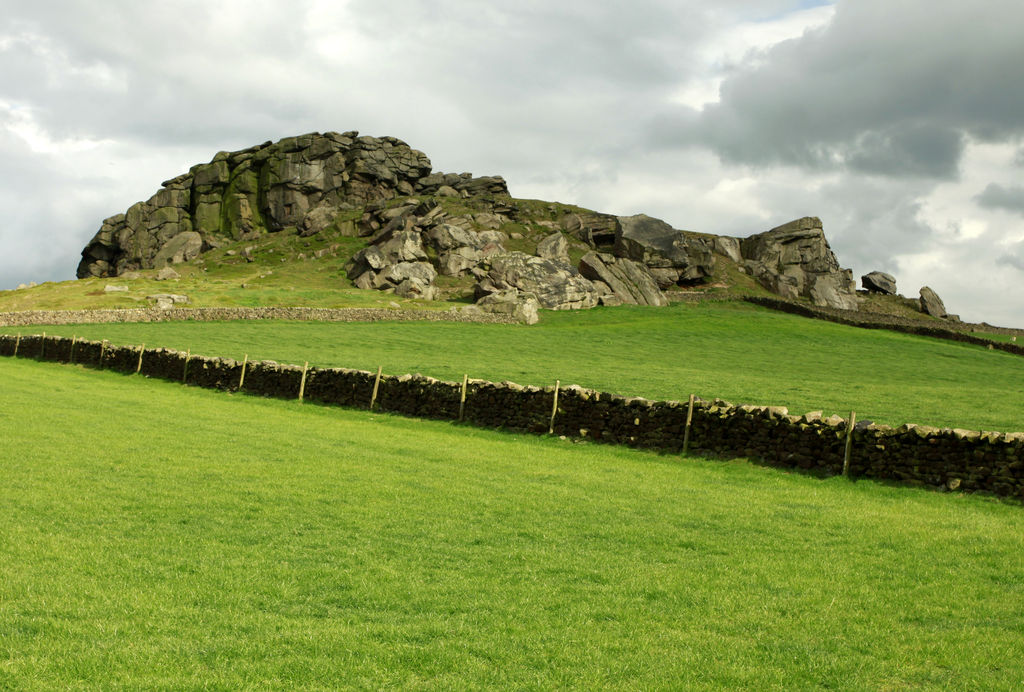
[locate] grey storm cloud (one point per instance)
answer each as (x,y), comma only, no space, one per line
(996,196)
(888,88)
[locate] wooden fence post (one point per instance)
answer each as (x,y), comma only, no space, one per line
(689,420)
(554,409)
(302,385)
(462,399)
(17,342)
(74,338)
(376,384)
(103,350)
(849,443)
(241,378)
(184,374)
(138,368)
(42,346)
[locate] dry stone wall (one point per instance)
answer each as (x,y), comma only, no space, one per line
(913,454)
(951,331)
(43,317)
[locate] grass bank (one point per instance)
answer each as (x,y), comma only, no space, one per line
(159,536)
(730,350)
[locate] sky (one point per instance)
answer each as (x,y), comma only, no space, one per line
(901,125)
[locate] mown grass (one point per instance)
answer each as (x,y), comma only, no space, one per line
(155,536)
(735,351)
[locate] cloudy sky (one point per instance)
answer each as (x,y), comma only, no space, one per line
(900,124)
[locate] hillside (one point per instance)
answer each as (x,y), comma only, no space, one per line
(327,548)
(338,220)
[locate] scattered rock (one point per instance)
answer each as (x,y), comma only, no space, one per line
(931,304)
(115,289)
(166,301)
(879,282)
(167,274)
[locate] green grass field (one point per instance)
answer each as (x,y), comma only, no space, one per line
(156,536)
(735,351)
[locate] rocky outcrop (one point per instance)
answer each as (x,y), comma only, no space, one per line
(931,304)
(303,182)
(673,256)
(627,280)
(795,260)
(879,282)
(555,285)
(383,190)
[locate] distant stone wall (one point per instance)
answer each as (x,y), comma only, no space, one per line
(912,454)
(950,331)
(44,317)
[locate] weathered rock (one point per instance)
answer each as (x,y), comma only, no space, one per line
(299,182)
(627,280)
(554,247)
(402,246)
(727,246)
(879,282)
(166,301)
(555,285)
(655,244)
(181,248)
(523,308)
(458,261)
(931,304)
(423,272)
(167,274)
(416,288)
(109,288)
(796,258)
(594,229)
(317,219)
(447,236)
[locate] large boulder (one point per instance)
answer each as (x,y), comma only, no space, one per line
(879,282)
(795,259)
(459,249)
(555,285)
(594,229)
(680,258)
(931,304)
(522,307)
(299,183)
(628,281)
(554,247)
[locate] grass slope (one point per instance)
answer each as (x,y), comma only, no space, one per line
(735,351)
(153,536)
